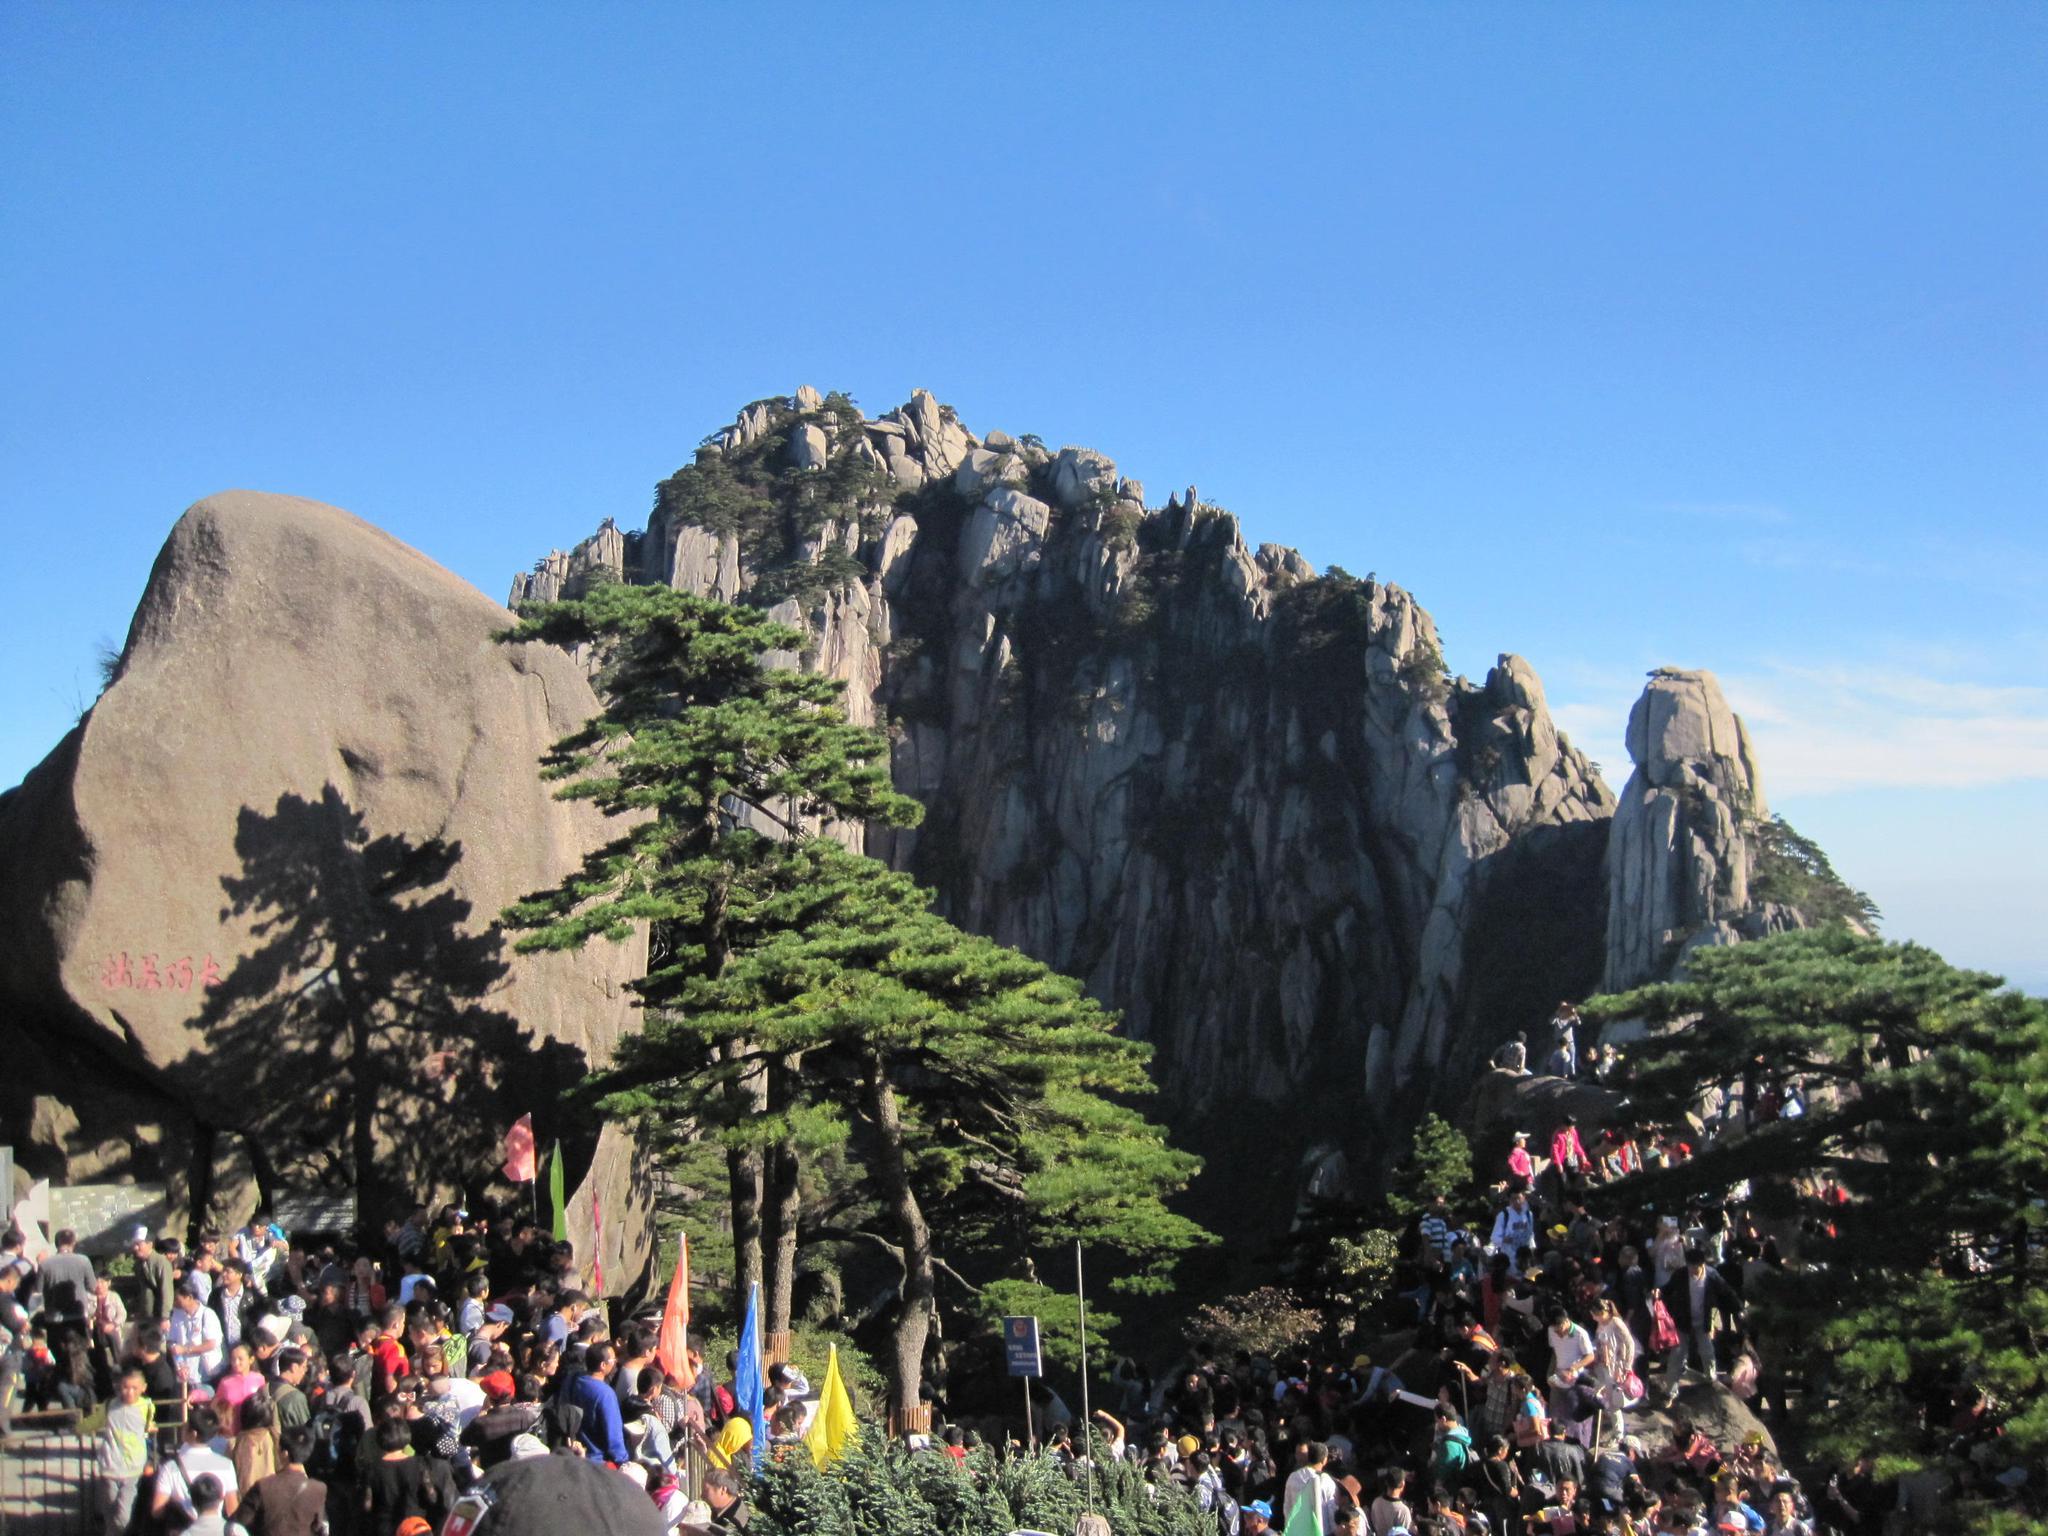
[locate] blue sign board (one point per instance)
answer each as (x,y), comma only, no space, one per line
(1020,1346)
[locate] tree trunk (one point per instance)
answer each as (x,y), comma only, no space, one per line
(782,1197)
(778,1247)
(743,1174)
(743,1165)
(912,1324)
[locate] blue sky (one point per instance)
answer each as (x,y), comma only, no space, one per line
(1621,335)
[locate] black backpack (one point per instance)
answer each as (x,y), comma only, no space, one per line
(337,1438)
(562,1422)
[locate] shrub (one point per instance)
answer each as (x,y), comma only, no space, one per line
(1265,1321)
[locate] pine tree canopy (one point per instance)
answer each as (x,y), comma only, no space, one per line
(1013,1081)
(1925,1093)
(721,766)
(805,1006)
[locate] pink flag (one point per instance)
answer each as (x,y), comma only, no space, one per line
(672,1345)
(519,1162)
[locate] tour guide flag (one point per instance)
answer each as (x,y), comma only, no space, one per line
(519,1151)
(560,1230)
(672,1344)
(1306,1518)
(833,1426)
(746,1375)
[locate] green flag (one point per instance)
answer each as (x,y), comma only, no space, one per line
(560,1230)
(1306,1518)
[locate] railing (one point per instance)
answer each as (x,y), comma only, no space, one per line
(49,1481)
(691,1464)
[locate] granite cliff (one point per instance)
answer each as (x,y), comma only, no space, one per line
(1242,800)
(249,937)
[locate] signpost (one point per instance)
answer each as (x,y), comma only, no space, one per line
(1020,1351)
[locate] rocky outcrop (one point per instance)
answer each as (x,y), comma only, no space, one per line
(1244,802)
(1504,1102)
(251,898)
(1679,858)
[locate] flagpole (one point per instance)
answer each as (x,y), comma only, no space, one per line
(1087,1419)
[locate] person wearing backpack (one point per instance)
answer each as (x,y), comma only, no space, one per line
(335,1435)
(124,1448)
(289,1502)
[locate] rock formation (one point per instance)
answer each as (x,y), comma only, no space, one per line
(251,898)
(1243,801)
(1679,857)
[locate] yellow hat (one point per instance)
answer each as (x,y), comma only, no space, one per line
(1188,1445)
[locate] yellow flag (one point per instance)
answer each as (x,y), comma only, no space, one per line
(832,1426)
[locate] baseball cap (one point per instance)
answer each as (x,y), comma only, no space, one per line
(139,1235)
(1260,1507)
(499,1313)
(546,1495)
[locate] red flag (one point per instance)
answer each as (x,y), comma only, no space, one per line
(519,1161)
(672,1345)
(596,1243)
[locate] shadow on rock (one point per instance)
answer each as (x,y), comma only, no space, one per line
(358,1046)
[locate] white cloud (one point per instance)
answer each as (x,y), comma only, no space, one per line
(1847,726)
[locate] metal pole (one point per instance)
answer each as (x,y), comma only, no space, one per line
(1087,1419)
(1030,1434)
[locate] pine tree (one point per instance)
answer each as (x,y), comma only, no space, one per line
(977,1093)
(721,770)
(1439,1162)
(801,998)
(1926,1104)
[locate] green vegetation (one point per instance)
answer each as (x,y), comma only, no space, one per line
(875,1078)
(753,493)
(883,1489)
(1792,869)
(1439,1162)
(1927,1105)
(1267,1321)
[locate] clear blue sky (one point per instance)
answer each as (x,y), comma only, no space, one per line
(1710,335)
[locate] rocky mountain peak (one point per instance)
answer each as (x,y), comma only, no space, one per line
(1243,800)
(1681,854)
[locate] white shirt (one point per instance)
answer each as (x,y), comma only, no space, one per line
(1299,1483)
(1567,1351)
(192,1462)
(467,1397)
(199,1326)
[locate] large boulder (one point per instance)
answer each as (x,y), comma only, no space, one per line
(251,913)
(1678,858)
(1504,1102)
(1711,1407)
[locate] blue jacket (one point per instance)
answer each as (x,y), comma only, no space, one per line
(600,1435)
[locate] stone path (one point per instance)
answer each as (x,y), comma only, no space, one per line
(46,1478)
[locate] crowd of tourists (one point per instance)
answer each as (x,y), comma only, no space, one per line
(287,1387)
(259,1384)
(1509,1402)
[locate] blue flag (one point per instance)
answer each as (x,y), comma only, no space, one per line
(746,1376)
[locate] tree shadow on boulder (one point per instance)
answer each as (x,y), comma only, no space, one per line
(360,1045)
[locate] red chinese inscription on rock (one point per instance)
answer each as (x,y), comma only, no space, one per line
(152,973)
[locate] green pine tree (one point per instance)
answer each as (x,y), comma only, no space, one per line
(1926,1092)
(978,1097)
(720,770)
(1439,1162)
